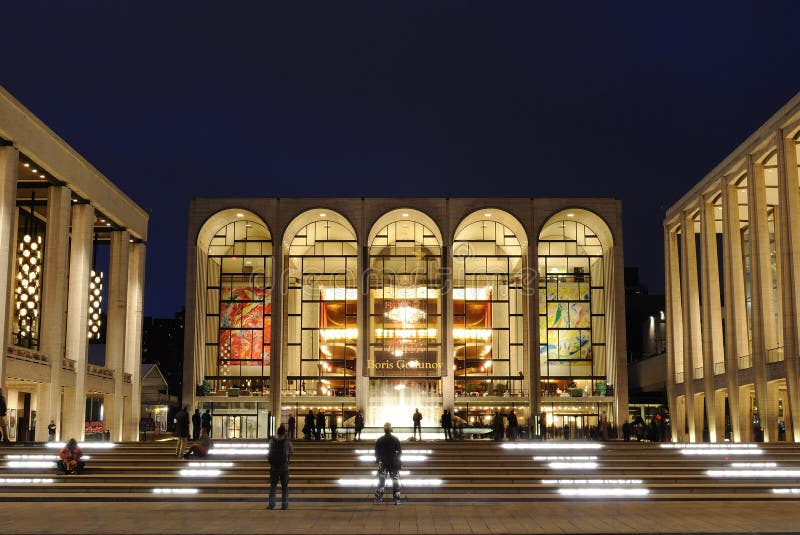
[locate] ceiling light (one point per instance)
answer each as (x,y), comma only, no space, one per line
(41,176)
(34,169)
(108,224)
(323,214)
(487,214)
(570,215)
(239,214)
(405,214)
(26,164)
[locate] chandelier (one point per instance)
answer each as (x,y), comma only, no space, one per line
(95,296)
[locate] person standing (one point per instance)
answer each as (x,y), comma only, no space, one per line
(359,425)
(3,419)
(280,451)
(332,424)
(447,424)
(387,453)
(291,426)
(196,424)
(205,422)
(319,434)
(498,429)
(513,425)
(308,428)
(51,431)
(181,430)
(417,424)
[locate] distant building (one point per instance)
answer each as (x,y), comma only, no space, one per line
(156,401)
(732,263)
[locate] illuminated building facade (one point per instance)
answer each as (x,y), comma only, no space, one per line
(387,305)
(732,288)
(60,295)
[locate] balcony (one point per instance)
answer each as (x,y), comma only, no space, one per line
(679,377)
(775,355)
(699,373)
(27,355)
(68,364)
(99,371)
(719,368)
(745,362)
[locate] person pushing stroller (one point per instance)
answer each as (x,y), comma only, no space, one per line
(387,453)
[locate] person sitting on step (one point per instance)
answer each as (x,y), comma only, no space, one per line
(70,458)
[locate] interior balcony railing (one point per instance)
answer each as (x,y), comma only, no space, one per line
(745,361)
(775,355)
(699,373)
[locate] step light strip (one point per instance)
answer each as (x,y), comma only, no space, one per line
(31,464)
(365,482)
(175,491)
(85,445)
(201,472)
(404,458)
(243,444)
(238,451)
(204,464)
(553,446)
(591,482)
(572,466)
(402,472)
(786,491)
(604,493)
(725,446)
(753,473)
(565,457)
(405,452)
(720,451)
(754,465)
(25,480)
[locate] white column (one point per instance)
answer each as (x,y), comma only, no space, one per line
(712,310)
(280,279)
(9,161)
(763,317)
(54,305)
(674,347)
(362,321)
(789,193)
(736,330)
(448,358)
(530,330)
(692,349)
(116,330)
(80,265)
(133,343)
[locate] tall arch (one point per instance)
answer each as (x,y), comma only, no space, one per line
(404,307)
(577,300)
(233,305)
(488,310)
(321,314)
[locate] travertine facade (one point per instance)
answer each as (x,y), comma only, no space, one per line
(388,304)
(732,263)
(54,207)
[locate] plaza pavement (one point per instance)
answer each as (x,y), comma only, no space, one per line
(348,518)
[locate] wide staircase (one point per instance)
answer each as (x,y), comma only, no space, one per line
(433,471)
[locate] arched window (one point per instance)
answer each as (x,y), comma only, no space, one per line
(239,306)
(571,308)
(488,310)
(405,316)
(322,308)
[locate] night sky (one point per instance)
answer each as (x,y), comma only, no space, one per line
(175,100)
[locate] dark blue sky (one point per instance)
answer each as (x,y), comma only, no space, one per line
(174,100)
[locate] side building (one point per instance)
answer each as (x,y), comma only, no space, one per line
(72,250)
(732,264)
(388,305)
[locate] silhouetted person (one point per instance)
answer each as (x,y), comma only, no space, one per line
(513,425)
(308,426)
(290,431)
(498,429)
(181,431)
(319,433)
(447,424)
(417,423)
(387,453)
(332,424)
(51,431)
(205,421)
(359,425)
(280,450)
(3,419)
(196,424)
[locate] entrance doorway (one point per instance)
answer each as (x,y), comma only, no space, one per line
(234,426)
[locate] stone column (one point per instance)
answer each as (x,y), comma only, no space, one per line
(789,194)
(530,331)
(673,328)
(448,358)
(692,348)
(736,330)
(280,280)
(762,309)
(712,310)
(54,305)
(362,321)
(117,309)
(9,161)
(80,266)
(133,330)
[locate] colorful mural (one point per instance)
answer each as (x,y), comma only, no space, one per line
(244,324)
